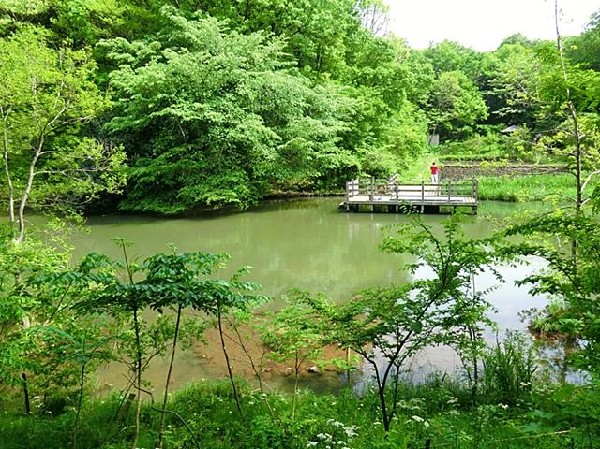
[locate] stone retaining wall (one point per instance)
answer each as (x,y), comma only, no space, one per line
(468,171)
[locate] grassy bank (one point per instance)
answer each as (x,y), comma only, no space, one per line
(558,188)
(440,411)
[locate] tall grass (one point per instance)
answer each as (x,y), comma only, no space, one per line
(557,188)
(508,371)
(430,411)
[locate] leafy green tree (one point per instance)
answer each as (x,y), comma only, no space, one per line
(46,347)
(26,310)
(124,289)
(315,31)
(572,278)
(295,334)
(120,294)
(387,81)
(449,56)
(455,261)
(180,281)
(455,106)
(518,40)
(514,84)
(213,119)
(585,48)
(45,99)
(388,325)
(569,94)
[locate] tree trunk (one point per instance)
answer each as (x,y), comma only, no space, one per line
(576,131)
(9,185)
(228,362)
(138,378)
(79,404)
(161,422)
(26,394)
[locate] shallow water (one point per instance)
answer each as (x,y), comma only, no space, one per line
(306,244)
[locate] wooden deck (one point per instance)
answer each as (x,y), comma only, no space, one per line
(376,195)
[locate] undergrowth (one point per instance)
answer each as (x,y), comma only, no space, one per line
(437,413)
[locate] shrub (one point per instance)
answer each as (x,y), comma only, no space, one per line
(509,371)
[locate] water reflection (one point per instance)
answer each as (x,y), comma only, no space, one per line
(309,245)
(553,357)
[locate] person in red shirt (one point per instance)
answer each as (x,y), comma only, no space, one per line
(434,173)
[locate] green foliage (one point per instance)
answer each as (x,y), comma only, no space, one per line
(35,321)
(266,97)
(583,49)
(509,368)
(46,98)
(555,189)
(568,405)
(573,278)
(558,418)
(488,147)
(387,326)
(448,56)
(565,144)
(514,85)
(455,105)
(124,289)
(294,334)
(222,118)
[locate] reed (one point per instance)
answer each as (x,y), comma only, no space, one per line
(558,188)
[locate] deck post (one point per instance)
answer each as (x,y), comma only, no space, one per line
(422,197)
(475,195)
(372,188)
(448,186)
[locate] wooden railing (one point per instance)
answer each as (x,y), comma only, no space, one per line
(376,188)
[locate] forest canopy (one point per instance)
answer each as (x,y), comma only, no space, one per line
(219,103)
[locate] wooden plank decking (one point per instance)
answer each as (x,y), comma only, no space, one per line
(376,195)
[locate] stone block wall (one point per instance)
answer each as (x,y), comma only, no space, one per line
(469,171)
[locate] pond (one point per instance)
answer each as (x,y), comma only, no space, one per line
(306,244)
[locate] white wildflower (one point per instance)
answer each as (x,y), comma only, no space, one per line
(350,431)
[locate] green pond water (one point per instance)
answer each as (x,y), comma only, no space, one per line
(306,244)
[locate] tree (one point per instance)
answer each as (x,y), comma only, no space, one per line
(295,334)
(215,119)
(25,309)
(124,289)
(568,92)
(585,48)
(388,325)
(46,98)
(176,281)
(387,79)
(455,105)
(514,84)
(449,56)
(572,278)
